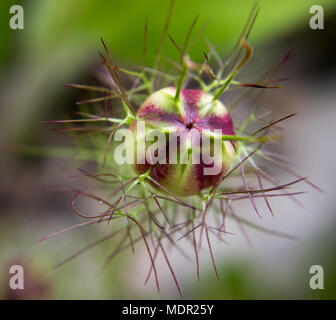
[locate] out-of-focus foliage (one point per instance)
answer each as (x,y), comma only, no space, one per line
(52,25)
(61,37)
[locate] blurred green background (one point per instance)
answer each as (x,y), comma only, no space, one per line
(59,44)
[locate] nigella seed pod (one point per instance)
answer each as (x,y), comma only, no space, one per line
(184,123)
(181,142)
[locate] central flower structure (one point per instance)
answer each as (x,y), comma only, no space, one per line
(184,120)
(180,142)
